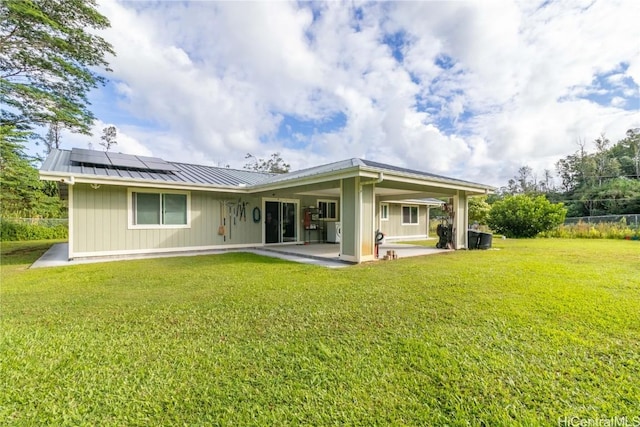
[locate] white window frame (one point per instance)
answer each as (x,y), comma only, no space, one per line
(131,213)
(417,214)
(329,201)
(384,211)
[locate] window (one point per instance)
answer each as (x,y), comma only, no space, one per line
(328,209)
(157,210)
(384,211)
(409,215)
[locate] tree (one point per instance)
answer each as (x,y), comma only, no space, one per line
(274,164)
(478,210)
(22,194)
(108,137)
(49,54)
(523,183)
(627,151)
(525,216)
(606,166)
(52,139)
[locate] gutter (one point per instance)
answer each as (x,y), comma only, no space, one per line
(375,181)
(69,181)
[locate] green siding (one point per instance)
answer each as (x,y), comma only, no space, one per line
(394,227)
(101,223)
(349,218)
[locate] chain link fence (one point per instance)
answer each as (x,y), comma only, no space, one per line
(632,220)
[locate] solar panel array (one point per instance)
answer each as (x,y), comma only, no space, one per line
(118,160)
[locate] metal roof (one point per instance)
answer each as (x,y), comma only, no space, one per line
(367,165)
(59,161)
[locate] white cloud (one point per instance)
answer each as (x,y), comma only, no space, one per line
(207,82)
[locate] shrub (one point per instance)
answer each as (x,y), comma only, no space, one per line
(525,216)
(14,230)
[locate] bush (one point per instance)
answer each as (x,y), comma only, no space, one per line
(13,230)
(525,216)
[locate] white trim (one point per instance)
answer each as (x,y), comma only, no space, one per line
(70,221)
(402,214)
(131,225)
(142,183)
(386,204)
(308,180)
(165,250)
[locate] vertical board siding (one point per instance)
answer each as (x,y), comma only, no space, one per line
(101,223)
(349,219)
(394,228)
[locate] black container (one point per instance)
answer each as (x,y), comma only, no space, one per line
(473,237)
(484,242)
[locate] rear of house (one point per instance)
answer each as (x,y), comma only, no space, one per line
(122,204)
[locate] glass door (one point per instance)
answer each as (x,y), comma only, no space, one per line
(289,223)
(281,221)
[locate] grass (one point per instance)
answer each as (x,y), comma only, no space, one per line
(527,334)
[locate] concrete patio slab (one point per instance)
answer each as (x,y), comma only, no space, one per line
(322,254)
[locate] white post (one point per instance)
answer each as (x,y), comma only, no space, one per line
(460,220)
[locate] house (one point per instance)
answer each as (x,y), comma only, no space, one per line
(123,204)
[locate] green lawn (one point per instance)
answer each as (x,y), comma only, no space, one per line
(527,334)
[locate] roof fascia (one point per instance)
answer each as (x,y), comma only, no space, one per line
(442,183)
(109,180)
(313,179)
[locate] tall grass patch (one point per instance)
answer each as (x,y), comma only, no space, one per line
(602,230)
(40,229)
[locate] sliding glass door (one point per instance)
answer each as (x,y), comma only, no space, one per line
(281,221)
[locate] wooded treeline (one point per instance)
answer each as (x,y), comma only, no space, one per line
(599,178)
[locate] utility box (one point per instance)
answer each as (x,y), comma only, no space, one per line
(334,232)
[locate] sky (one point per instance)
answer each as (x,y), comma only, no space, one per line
(467,89)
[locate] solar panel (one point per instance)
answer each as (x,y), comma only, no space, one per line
(125,161)
(160,166)
(89,156)
(119,160)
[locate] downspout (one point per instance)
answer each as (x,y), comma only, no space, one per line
(375,181)
(70,181)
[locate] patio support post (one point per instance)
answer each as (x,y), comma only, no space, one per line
(461,219)
(349,211)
